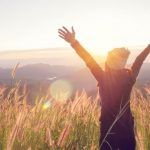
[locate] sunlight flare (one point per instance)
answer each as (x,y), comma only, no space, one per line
(46,105)
(61,90)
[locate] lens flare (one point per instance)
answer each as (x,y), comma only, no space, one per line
(61,90)
(46,105)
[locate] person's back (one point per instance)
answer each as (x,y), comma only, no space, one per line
(117,124)
(115,84)
(115,88)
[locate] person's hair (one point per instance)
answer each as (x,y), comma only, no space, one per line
(116,56)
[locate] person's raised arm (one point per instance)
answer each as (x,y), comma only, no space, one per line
(68,36)
(139,61)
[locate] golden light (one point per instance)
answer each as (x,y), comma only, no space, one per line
(102,51)
(61,90)
(46,105)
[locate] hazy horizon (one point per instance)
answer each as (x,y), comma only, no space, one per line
(54,56)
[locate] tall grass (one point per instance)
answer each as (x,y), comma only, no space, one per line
(72,124)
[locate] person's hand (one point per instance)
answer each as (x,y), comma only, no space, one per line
(68,36)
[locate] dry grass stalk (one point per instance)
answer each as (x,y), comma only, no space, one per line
(13,73)
(14,131)
(49,140)
(64,134)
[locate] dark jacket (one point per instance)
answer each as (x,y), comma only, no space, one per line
(114,88)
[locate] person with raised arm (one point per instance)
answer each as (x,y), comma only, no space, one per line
(115,84)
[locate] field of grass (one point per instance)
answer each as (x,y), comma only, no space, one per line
(66,125)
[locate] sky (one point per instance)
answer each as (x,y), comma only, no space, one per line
(99,24)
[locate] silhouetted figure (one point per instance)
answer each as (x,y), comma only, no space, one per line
(115,84)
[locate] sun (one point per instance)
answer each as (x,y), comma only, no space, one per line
(100,54)
(100,51)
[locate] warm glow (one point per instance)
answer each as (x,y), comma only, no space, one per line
(46,105)
(61,90)
(101,52)
(98,23)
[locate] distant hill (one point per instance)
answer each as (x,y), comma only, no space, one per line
(38,71)
(39,77)
(81,78)
(144,74)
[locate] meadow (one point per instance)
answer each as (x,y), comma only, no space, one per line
(55,124)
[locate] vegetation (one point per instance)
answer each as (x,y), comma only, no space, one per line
(54,124)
